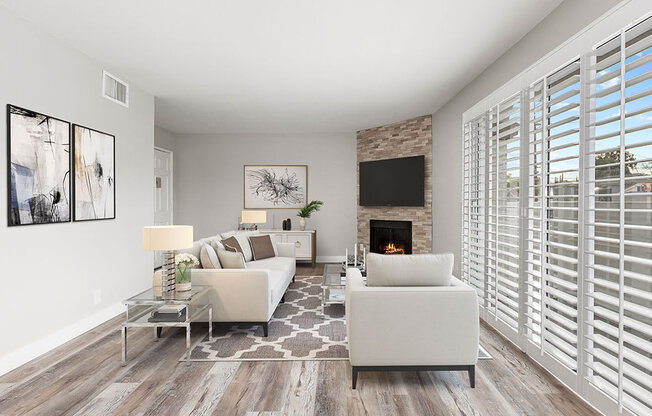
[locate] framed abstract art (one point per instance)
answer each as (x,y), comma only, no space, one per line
(94,178)
(275,186)
(38,168)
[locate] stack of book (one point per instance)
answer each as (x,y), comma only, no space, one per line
(169,313)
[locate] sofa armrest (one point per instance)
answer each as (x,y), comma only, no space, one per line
(237,295)
(425,325)
(286,250)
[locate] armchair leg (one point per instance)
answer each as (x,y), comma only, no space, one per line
(265,328)
(472,376)
(354,377)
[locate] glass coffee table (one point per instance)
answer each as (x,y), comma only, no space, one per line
(333,284)
(141,307)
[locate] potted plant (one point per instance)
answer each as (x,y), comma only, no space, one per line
(184,262)
(306,211)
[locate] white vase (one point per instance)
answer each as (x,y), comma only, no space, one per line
(302,223)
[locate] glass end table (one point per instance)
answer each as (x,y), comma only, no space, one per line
(333,284)
(141,306)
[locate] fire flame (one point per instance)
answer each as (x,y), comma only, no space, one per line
(392,249)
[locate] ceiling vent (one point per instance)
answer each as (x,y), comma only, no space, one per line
(114,89)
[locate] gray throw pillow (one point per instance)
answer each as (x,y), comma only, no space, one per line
(261,246)
(231,260)
(208,257)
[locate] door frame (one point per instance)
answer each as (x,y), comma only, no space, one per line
(171,153)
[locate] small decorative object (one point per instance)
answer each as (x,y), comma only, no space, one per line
(38,156)
(289,224)
(253,217)
(285,225)
(94,179)
(167,238)
(355,259)
(306,211)
(275,186)
(184,262)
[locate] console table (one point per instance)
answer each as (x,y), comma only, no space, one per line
(305,242)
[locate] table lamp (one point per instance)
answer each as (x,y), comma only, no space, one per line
(167,238)
(254,217)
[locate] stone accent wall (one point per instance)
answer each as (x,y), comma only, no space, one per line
(406,138)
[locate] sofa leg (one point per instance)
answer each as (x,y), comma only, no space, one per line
(265,328)
(293,278)
(354,377)
(283,299)
(472,376)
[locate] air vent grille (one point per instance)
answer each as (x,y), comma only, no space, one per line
(115,89)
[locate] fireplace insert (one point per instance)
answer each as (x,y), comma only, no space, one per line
(390,237)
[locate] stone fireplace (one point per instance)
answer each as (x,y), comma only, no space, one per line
(406,138)
(390,237)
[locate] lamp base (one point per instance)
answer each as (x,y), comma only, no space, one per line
(168,280)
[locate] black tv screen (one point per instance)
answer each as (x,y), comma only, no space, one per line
(393,182)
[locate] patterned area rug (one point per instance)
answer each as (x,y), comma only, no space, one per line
(298,330)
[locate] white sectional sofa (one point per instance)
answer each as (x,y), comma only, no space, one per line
(411,315)
(248,295)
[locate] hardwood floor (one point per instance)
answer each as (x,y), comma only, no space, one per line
(84,377)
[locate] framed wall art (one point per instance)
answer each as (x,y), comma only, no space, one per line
(38,168)
(94,178)
(275,186)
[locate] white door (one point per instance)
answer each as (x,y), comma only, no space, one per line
(162,193)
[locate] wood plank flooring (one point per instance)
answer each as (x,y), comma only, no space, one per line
(84,377)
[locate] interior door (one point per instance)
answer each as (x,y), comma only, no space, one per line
(163,213)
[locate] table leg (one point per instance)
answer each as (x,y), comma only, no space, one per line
(124,346)
(188,344)
(210,323)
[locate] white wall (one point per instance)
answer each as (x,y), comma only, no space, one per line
(50,272)
(565,21)
(209,182)
(165,139)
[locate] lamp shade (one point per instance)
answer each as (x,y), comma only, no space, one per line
(167,237)
(254,217)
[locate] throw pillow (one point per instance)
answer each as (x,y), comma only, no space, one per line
(231,260)
(243,240)
(216,244)
(261,246)
(231,244)
(208,257)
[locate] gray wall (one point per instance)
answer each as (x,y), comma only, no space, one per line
(50,272)
(167,140)
(565,21)
(209,183)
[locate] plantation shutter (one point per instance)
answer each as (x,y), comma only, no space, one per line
(561,225)
(474,214)
(534,214)
(508,212)
(619,244)
(492,212)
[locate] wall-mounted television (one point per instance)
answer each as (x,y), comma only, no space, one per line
(393,182)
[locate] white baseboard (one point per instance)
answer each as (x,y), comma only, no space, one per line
(27,353)
(330,259)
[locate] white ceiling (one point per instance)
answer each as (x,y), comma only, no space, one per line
(218,66)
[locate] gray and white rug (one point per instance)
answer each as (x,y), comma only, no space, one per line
(299,330)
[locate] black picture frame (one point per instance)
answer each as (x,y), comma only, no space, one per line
(11,222)
(74,174)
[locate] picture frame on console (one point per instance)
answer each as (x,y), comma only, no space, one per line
(275,186)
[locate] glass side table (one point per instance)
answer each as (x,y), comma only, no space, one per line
(141,306)
(333,285)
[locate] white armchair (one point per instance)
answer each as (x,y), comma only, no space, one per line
(410,328)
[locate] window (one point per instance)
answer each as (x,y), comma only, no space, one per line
(558,216)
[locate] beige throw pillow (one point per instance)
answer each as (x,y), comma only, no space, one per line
(261,246)
(231,260)
(208,257)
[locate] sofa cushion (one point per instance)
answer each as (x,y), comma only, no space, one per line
(261,246)
(231,260)
(208,258)
(216,243)
(409,270)
(273,263)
